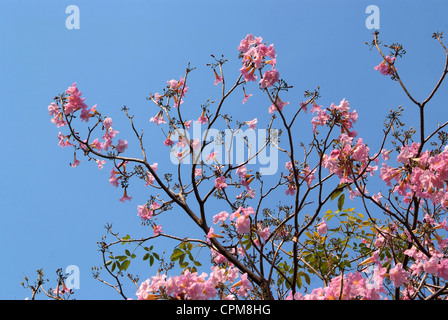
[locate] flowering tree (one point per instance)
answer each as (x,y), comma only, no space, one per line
(310,245)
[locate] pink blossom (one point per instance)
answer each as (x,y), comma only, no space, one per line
(291,190)
(75,102)
(158,119)
(198,172)
(202,119)
(144,212)
(269,78)
(264,233)
(320,119)
(125,196)
(248,73)
(168,141)
(243,285)
(278,105)
(241,171)
(212,156)
(75,162)
(246,96)
(113,180)
(386,68)
(431,265)
(100,163)
(442,270)
(157,230)
(222,216)
(220,183)
(121,146)
(252,124)
(187,124)
(218,78)
(63,140)
(398,275)
(107,123)
(322,227)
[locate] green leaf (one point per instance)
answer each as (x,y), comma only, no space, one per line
(114,265)
(146,256)
(151,261)
(125,265)
(156,255)
(177,253)
(108,262)
(183,265)
(341,201)
(197,263)
(127,252)
(307,278)
(337,191)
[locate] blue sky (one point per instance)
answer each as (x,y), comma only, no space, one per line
(51,215)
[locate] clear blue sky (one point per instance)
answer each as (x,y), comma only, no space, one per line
(51,215)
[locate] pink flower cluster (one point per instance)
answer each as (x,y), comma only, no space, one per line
(305,174)
(350,157)
(195,286)
(424,175)
(352,286)
(254,57)
(176,89)
(75,102)
(387,66)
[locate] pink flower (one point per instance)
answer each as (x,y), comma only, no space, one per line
(278,105)
(107,123)
(212,156)
(320,119)
(198,172)
(398,275)
(269,78)
(202,119)
(431,265)
(144,212)
(246,96)
(220,183)
(125,196)
(222,216)
(248,73)
(75,162)
(63,140)
(75,102)
(252,123)
(291,190)
(218,78)
(322,227)
(158,119)
(157,230)
(121,146)
(244,285)
(264,233)
(386,68)
(168,141)
(100,163)
(187,124)
(442,270)
(242,222)
(113,179)
(246,43)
